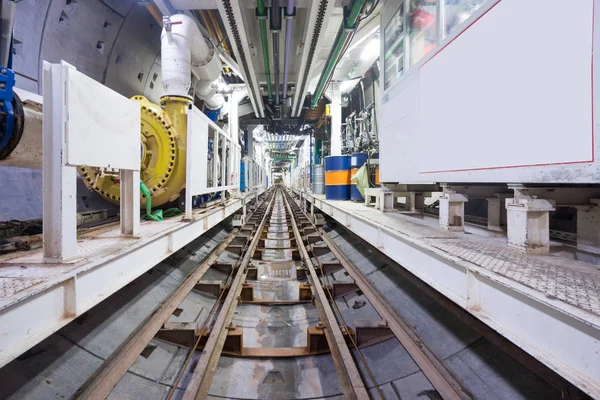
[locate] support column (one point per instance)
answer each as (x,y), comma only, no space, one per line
(59,179)
(234,131)
(415,202)
(497,212)
(528,222)
(588,227)
(336,119)
(130,203)
(386,200)
(452,210)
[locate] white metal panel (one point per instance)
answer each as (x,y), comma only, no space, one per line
(197,151)
(399,137)
(512,87)
(406,150)
(103,127)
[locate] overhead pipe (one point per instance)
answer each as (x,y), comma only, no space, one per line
(344,35)
(276,30)
(261,13)
(185,51)
(290,13)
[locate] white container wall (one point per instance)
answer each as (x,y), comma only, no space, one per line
(494,101)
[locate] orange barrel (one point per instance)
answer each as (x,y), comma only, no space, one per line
(337,177)
(356,161)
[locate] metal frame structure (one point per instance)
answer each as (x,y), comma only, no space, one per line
(200,177)
(76,271)
(231,11)
(563,337)
(314,41)
(75,133)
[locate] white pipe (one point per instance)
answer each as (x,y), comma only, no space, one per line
(184,51)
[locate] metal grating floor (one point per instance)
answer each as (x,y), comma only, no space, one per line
(556,277)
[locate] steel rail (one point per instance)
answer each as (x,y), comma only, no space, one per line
(104,379)
(192,350)
(348,374)
(203,374)
(434,369)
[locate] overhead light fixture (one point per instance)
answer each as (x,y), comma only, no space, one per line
(371,50)
(347,85)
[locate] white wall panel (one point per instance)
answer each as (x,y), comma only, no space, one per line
(508,100)
(510,88)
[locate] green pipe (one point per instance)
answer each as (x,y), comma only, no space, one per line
(346,29)
(261,13)
(318,151)
(156,215)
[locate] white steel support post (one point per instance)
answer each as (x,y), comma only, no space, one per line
(59,179)
(187,212)
(336,119)
(130,203)
(415,202)
(496,213)
(588,227)
(386,200)
(528,222)
(452,210)
(234,131)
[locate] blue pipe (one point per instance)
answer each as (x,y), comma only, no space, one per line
(212,114)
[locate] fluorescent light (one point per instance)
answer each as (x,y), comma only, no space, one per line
(371,50)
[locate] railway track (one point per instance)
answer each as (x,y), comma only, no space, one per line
(277,259)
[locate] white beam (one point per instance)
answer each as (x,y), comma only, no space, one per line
(257,102)
(310,30)
(336,119)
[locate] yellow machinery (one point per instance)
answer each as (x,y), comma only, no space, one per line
(163,153)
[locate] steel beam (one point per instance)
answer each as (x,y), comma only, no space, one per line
(309,52)
(236,31)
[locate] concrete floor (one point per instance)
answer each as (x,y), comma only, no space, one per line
(59,365)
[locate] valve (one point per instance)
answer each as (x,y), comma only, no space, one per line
(167,23)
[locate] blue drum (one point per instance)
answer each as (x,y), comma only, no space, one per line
(337,177)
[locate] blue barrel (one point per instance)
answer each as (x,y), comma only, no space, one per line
(356,161)
(242,176)
(337,177)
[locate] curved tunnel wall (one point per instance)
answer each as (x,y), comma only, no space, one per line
(116,42)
